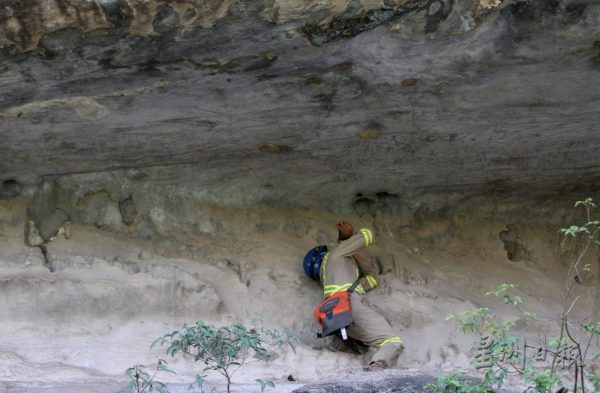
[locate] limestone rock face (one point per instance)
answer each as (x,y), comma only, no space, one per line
(336,96)
(163,162)
(404,382)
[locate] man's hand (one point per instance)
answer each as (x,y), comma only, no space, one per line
(345,230)
(359,258)
(365,264)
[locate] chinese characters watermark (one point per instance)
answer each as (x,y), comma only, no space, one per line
(489,353)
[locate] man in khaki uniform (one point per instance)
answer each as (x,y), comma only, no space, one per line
(340,268)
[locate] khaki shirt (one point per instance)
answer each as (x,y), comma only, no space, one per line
(340,269)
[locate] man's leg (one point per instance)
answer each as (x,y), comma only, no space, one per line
(373,330)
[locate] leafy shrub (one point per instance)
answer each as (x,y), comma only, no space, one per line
(140,380)
(502,358)
(225,349)
(457,383)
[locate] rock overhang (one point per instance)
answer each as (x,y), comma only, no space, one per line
(136,140)
(286,98)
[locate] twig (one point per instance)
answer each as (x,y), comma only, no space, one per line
(572,305)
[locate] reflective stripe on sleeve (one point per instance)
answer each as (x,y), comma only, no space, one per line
(368,235)
(371,280)
(322,269)
(329,290)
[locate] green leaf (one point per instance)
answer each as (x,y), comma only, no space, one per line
(595,380)
(593,328)
(588,202)
(160,339)
(264,384)
(573,230)
(529,315)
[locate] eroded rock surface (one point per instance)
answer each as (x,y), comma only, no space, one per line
(405,382)
(163,162)
(398,96)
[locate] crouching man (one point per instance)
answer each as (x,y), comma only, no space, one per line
(340,268)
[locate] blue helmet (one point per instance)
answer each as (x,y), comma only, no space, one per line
(312,261)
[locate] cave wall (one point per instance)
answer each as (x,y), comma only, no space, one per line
(387,96)
(168,161)
(96,267)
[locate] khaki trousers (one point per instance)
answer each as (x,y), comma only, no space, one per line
(373,330)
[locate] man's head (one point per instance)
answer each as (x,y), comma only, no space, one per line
(345,230)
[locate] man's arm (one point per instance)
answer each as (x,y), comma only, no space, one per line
(368,272)
(359,241)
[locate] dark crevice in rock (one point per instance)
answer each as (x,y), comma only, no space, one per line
(128,210)
(341,26)
(345,66)
(533,10)
(364,206)
(10,188)
(60,42)
(437,12)
(47,258)
(248,63)
(513,245)
(325,100)
(236,65)
(596,47)
(274,148)
(349,27)
(385,195)
(576,10)
(165,20)
(117,12)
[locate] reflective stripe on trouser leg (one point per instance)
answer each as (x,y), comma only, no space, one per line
(388,354)
(395,340)
(372,329)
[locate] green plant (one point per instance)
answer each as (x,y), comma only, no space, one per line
(225,349)
(504,292)
(502,349)
(140,381)
(473,321)
(585,237)
(595,381)
(264,384)
(541,381)
(457,383)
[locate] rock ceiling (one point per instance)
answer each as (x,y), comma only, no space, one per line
(382,96)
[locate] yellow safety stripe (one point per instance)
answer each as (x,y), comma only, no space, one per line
(359,287)
(329,290)
(391,340)
(322,268)
(368,235)
(371,280)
